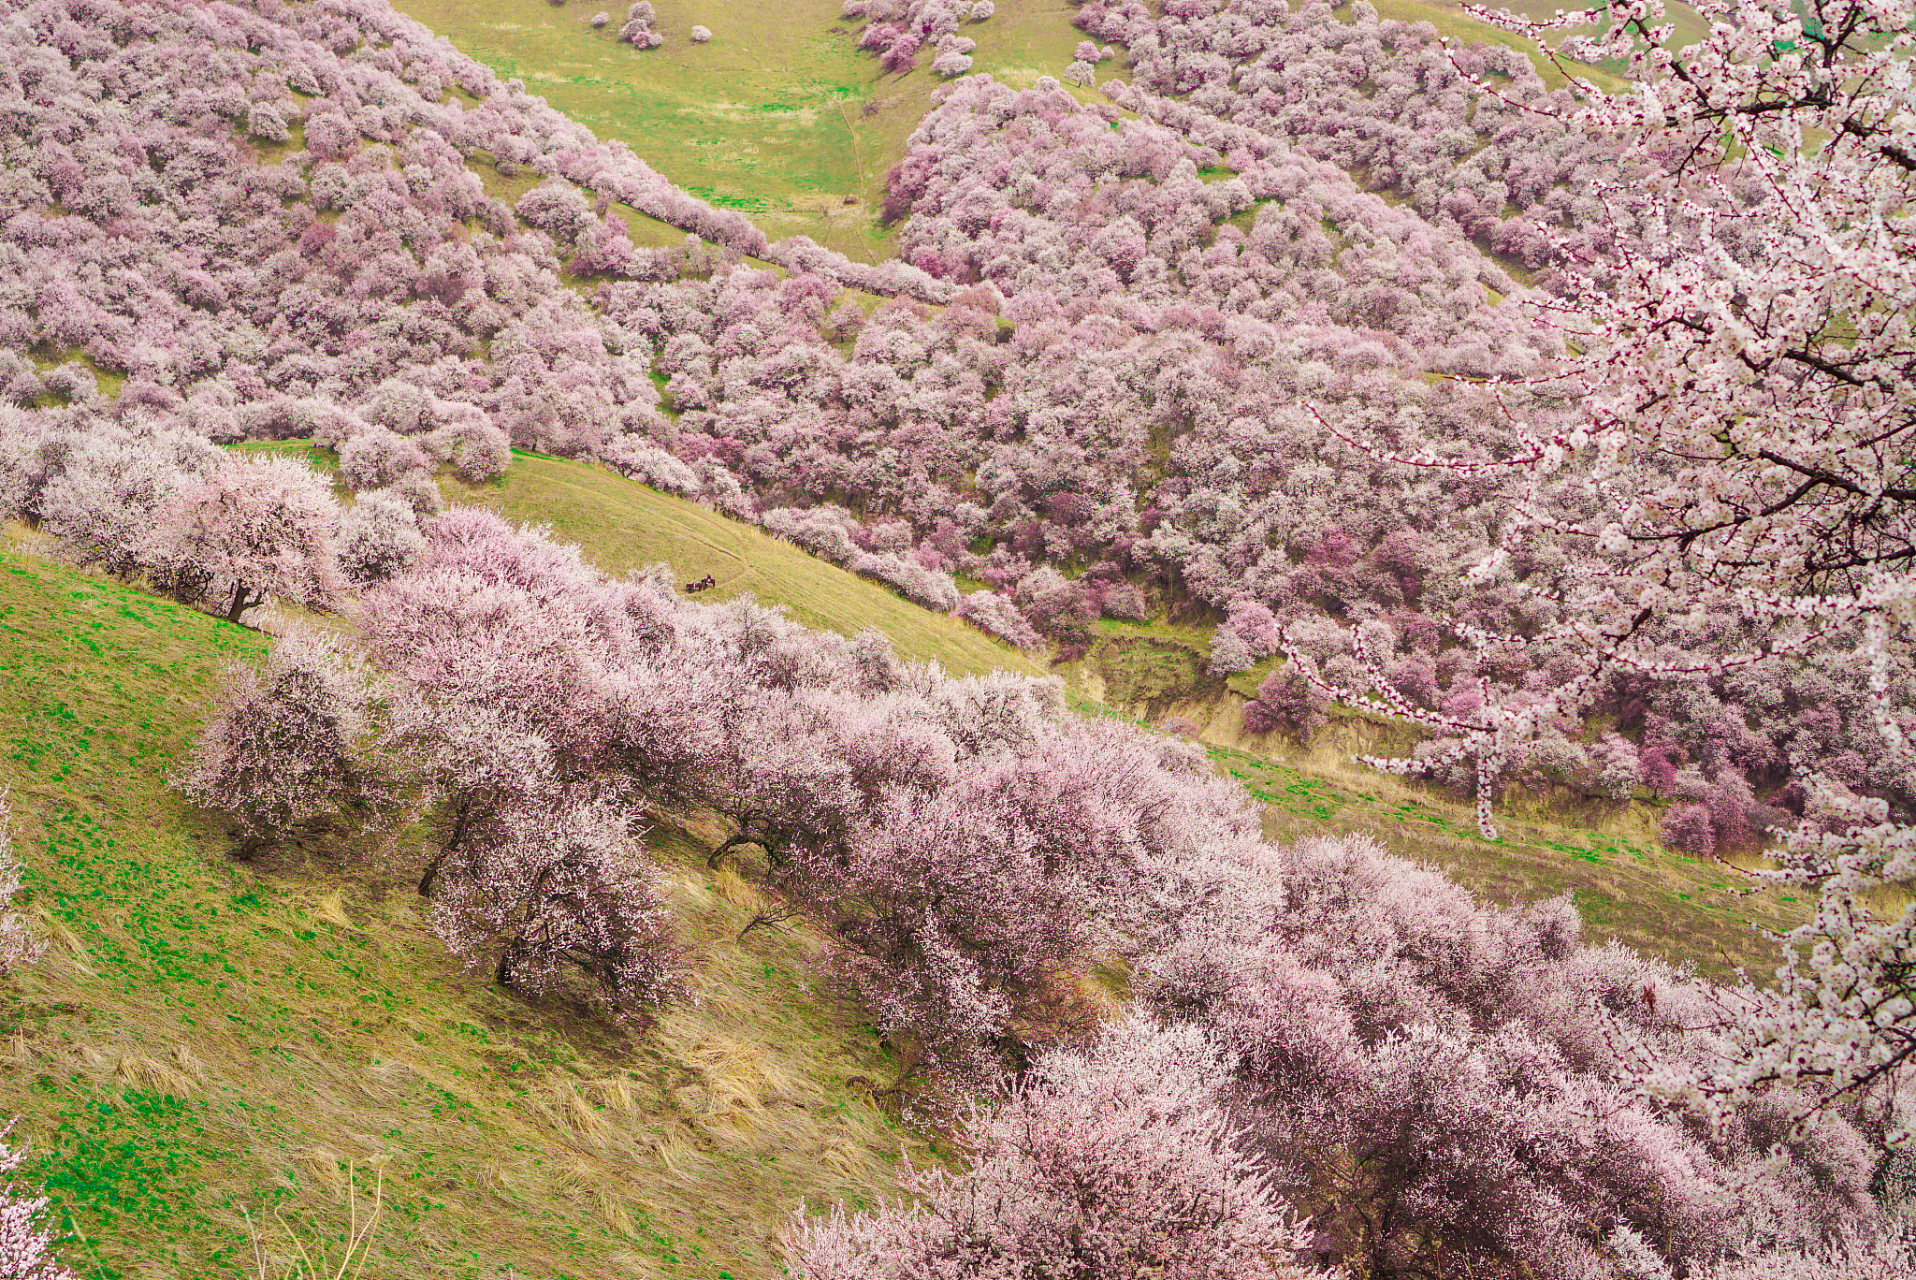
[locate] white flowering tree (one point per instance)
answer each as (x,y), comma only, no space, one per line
(1745,366)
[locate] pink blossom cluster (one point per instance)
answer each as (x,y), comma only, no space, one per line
(898,30)
(1109,1161)
(1427,1083)
(1384,100)
(638,30)
(26,1247)
(138,493)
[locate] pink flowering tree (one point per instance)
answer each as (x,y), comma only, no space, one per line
(26,1248)
(380,457)
(555,891)
(477,449)
(1288,699)
(638,30)
(1115,1161)
(1250,632)
(378,536)
(285,742)
(256,527)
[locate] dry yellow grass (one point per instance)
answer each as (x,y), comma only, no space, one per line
(150,1075)
(736,889)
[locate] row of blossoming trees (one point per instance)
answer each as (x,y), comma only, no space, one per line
(266,218)
(1317,1031)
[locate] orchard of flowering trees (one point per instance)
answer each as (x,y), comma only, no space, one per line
(1174,351)
(1748,375)
(1330,1056)
(1570,426)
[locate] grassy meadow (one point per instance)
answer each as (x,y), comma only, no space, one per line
(769,117)
(623,525)
(209,1041)
(781,115)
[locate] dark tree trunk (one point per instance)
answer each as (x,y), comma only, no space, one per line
(456,838)
(240,603)
(731,844)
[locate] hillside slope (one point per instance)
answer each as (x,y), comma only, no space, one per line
(1626,885)
(208,1037)
(781,116)
(624,525)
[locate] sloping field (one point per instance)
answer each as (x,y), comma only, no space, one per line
(623,525)
(780,116)
(209,1041)
(766,118)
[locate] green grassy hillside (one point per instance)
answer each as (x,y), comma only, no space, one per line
(767,118)
(206,1038)
(623,525)
(781,116)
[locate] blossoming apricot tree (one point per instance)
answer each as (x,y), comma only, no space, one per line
(1743,342)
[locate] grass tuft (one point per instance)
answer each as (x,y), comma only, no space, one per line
(150,1075)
